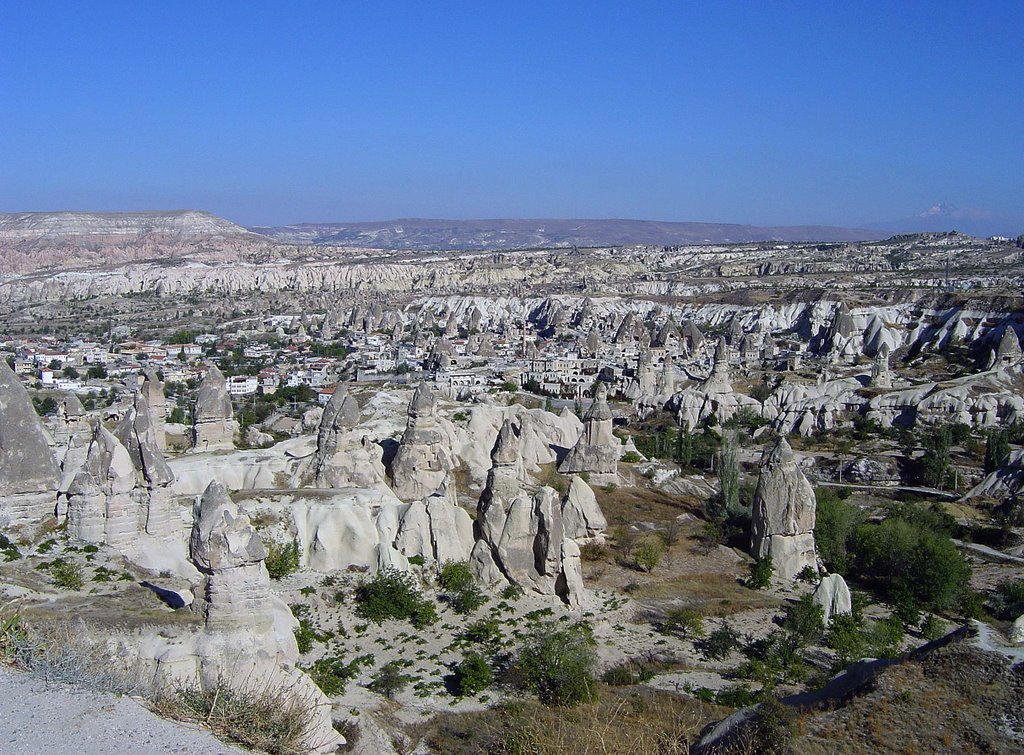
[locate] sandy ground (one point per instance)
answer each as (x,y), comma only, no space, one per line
(39,718)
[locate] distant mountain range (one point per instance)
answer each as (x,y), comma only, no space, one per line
(423,234)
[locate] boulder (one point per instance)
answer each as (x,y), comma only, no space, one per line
(833,595)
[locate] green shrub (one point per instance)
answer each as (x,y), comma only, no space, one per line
(932,627)
(305,636)
(721,642)
(466,600)
(835,523)
(389,680)
(774,660)
(417,560)
(683,621)
(1007,600)
(455,575)
(473,675)
(627,673)
(332,674)
(67,575)
(511,592)
(483,632)
(761,574)
(631,457)
(911,561)
(805,621)
(556,663)
(392,594)
(282,558)
(648,554)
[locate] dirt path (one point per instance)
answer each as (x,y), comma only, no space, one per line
(36,717)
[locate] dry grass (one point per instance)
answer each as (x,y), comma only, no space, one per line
(712,594)
(273,720)
(625,505)
(637,721)
(269,719)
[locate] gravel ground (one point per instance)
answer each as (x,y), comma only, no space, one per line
(36,717)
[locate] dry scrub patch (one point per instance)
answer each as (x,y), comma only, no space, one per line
(959,699)
(632,722)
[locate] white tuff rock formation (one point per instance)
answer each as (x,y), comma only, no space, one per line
(528,540)
(28,471)
(833,595)
(213,424)
(423,462)
(782,523)
(597,451)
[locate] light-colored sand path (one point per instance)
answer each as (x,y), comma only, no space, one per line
(36,717)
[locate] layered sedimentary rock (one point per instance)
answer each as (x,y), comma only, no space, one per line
(782,522)
(528,540)
(213,424)
(597,451)
(833,595)
(101,504)
(423,461)
(344,457)
(28,471)
(138,433)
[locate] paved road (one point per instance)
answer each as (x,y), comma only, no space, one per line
(61,720)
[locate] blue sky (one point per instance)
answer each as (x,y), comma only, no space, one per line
(753,112)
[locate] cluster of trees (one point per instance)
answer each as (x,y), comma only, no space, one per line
(909,557)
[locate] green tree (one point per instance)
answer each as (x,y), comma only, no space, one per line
(805,620)
(729,473)
(934,465)
(648,554)
(835,523)
(389,680)
(997,450)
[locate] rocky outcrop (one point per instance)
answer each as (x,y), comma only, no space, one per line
(153,392)
(1005,482)
(247,641)
(101,507)
(582,516)
(543,437)
(213,424)
(782,522)
(28,471)
(833,595)
(422,462)
(139,434)
(881,377)
(528,540)
(597,452)
(345,457)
